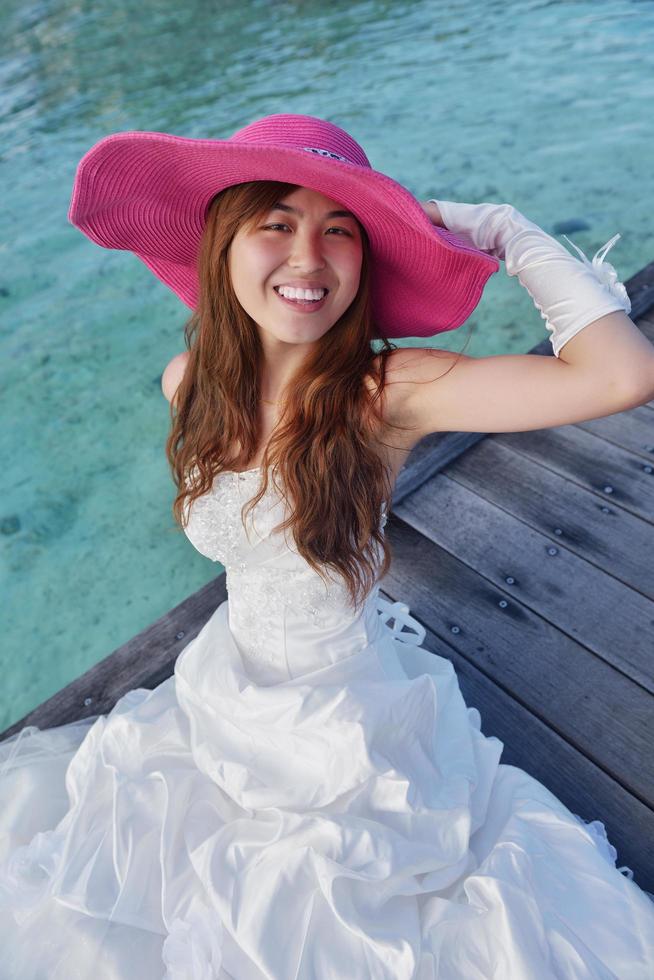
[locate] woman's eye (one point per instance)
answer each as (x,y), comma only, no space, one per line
(283,225)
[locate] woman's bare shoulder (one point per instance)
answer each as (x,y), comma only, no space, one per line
(405,366)
(403,358)
(173,374)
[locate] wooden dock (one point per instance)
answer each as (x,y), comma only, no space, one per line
(528,558)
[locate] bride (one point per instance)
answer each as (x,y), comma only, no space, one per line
(308,797)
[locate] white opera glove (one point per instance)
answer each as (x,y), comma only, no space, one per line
(569,294)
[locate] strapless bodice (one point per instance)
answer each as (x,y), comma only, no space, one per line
(286,620)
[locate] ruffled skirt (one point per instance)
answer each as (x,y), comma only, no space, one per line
(354,822)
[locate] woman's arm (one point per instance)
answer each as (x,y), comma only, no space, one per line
(434,390)
(173,374)
(620,335)
(603,362)
(615,338)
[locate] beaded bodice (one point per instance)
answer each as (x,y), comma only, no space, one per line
(284,617)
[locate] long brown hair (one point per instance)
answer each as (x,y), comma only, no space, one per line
(323,446)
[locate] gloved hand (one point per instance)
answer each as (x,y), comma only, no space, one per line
(569,294)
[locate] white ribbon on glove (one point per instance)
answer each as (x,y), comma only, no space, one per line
(569,294)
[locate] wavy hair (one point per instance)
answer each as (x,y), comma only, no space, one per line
(325,446)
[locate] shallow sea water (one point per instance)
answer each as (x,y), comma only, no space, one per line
(541,104)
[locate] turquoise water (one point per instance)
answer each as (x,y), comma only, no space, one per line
(543,105)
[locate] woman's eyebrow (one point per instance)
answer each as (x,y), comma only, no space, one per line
(330,214)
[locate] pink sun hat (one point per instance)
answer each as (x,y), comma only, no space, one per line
(148,193)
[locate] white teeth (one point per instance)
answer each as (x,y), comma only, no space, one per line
(290,292)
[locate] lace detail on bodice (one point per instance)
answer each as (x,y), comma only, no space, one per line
(266,578)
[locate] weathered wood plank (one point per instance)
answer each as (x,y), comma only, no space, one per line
(429,457)
(613,474)
(592,705)
(646,324)
(640,288)
(569,592)
(609,537)
(532,745)
(144,661)
(632,430)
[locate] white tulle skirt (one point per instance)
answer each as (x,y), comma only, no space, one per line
(353,823)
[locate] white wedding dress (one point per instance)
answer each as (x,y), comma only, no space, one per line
(308,797)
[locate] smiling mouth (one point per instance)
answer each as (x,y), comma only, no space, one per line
(303,305)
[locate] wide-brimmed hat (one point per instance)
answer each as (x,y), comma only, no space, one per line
(149,193)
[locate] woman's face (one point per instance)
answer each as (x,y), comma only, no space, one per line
(298,244)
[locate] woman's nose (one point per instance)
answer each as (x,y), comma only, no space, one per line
(307,250)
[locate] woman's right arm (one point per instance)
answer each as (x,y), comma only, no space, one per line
(173,374)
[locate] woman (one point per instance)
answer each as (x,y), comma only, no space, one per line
(308,796)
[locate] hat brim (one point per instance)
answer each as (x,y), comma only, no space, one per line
(148,193)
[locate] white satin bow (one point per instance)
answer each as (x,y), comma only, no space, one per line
(399,612)
(604,271)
